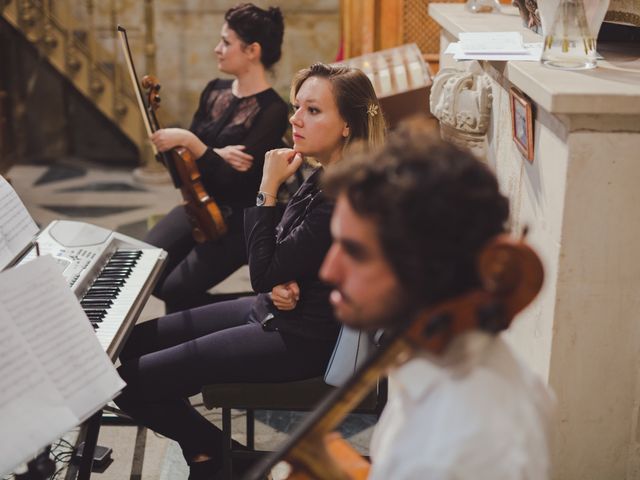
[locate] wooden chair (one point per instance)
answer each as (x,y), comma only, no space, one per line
(290,396)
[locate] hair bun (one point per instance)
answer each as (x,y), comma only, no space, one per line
(276,15)
(254,24)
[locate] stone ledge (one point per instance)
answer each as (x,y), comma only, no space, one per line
(612,88)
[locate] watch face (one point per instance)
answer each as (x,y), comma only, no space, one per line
(260,199)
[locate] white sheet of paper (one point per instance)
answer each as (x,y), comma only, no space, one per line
(6,255)
(32,411)
(70,376)
(17,228)
(492,42)
(534,52)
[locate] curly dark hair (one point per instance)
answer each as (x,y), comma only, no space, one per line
(434,205)
(253,24)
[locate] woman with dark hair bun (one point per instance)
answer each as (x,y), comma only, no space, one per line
(237,121)
(254,25)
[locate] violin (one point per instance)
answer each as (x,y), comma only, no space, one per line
(511,276)
(204,214)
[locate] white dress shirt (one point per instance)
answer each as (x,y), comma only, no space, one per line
(475,413)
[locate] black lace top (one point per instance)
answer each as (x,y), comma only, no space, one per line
(258,122)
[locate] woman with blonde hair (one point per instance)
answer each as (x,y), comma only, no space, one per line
(286,332)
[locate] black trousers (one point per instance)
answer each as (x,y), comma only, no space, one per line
(194,268)
(169,359)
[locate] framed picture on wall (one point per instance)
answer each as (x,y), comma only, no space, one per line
(522,122)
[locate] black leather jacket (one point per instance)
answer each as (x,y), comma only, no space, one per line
(292,247)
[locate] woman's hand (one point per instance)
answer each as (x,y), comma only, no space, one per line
(234,156)
(279,164)
(168,138)
(286,295)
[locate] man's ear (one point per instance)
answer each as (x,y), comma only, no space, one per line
(346,131)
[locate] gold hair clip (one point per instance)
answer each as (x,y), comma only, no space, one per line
(372,110)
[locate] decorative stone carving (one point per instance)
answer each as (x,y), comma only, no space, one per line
(461,101)
(530,14)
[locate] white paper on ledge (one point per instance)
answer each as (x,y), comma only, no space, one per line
(533,54)
(492,42)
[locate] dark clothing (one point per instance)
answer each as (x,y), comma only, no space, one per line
(193,268)
(258,122)
(168,359)
(302,239)
(171,358)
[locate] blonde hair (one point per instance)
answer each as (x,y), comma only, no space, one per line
(355,98)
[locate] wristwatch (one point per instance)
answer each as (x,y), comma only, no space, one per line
(261,198)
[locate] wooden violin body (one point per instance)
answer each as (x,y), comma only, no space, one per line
(203,212)
(511,274)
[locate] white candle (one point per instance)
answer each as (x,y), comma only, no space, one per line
(400,74)
(416,73)
(384,77)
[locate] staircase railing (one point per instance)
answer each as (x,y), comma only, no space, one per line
(66,33)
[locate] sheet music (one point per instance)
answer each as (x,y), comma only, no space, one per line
(17,228)
(53,372)
(5,252)
(25,389)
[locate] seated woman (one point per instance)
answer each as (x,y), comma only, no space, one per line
(236,123)
(283,336)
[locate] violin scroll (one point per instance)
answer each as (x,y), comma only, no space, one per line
(511,276)
(152,86)
(510,270)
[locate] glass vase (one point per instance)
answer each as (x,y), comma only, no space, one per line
(570,30)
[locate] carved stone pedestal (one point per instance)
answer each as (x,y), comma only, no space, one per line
(461,101)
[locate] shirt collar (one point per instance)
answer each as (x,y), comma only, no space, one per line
(424,371)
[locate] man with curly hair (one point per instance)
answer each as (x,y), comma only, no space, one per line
(407,228)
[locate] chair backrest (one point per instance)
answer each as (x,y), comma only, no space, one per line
(352,348)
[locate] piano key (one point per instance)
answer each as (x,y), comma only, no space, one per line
(123,270)
(97,301)
(103,288)
(113,300)
(126,298)
(127,255)
(111,281)
(97,296)
(96,305)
